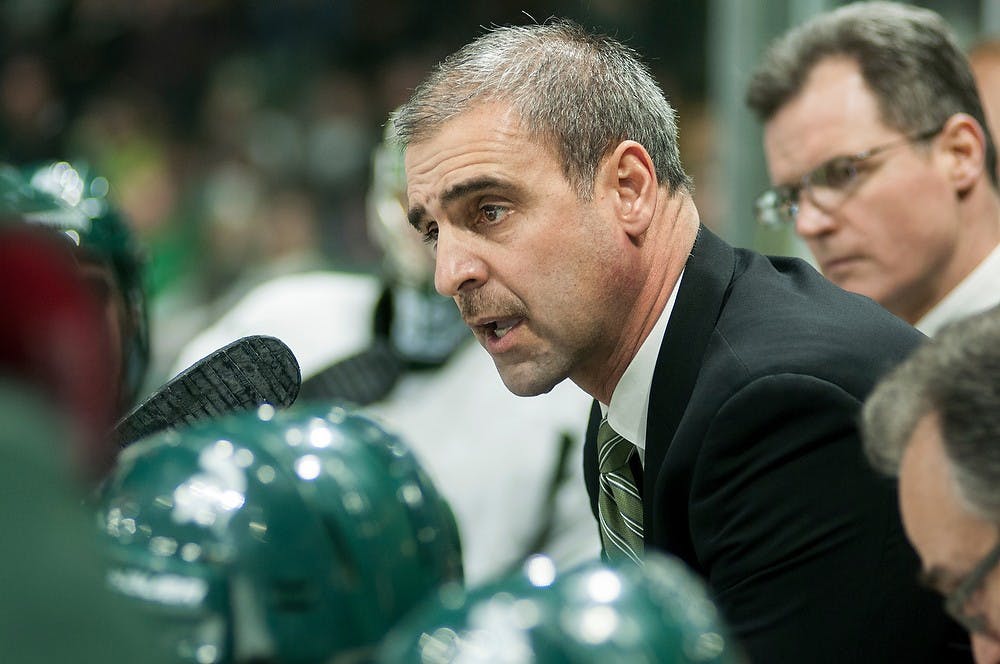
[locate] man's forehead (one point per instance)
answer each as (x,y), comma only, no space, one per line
(944,531)
(802,136)
(481,117)
(924,481)
(486,142)
(834,104)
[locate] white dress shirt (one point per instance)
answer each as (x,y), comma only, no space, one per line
(976,293)
(629,405)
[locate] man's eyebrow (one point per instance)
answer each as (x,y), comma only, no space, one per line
(417,213)
(473,186)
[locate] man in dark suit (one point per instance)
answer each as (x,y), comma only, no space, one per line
(542,164)
(934,422)
(881,159)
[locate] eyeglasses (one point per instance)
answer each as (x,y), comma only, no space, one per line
(827,185)
(956,601)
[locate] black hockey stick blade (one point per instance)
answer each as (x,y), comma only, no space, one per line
(361,379)
(248,373)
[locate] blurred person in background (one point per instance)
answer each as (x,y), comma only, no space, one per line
(881,157)
(506,465)
(110,258)
(57,400)
(984,58)
(67,203)
(935,423)
(54,337)
(33,109)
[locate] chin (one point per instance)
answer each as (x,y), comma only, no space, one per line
(527,386)
(850,282)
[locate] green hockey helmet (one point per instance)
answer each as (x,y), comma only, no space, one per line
(591,614)
(72,199)
(296,536)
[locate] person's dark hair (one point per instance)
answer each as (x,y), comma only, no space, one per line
(583,93)
(908,56)
(956,378)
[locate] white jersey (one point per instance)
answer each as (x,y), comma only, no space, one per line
(493,455)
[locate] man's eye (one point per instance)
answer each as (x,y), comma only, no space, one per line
(836,174)
(787,195)
(430,236)
(493,213)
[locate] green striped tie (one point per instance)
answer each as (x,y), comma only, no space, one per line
(619,503)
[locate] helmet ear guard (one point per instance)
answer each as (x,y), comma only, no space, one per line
(295,535)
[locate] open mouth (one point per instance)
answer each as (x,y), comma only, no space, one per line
(500,331)
(500,328)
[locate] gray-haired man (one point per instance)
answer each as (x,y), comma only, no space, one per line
(935,422)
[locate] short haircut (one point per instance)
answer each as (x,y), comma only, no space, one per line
(908,56)
(583,93)
(956,377)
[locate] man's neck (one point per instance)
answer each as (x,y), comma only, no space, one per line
(663,255)
(979,234)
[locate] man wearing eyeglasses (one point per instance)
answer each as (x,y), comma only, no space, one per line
(935,423)
(881,158)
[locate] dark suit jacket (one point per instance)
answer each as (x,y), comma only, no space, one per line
(754,472)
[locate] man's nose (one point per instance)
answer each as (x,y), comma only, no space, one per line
(458,267)
(811,220)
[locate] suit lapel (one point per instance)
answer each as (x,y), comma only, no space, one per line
(590,455)
(707,276)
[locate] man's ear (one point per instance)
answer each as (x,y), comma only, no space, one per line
(963,142)
(628,178)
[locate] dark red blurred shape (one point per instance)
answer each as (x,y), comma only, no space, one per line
(53,337)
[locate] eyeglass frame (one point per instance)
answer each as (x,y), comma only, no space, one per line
(955,601)
(788,195)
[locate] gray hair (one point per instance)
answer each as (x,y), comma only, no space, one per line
(955,376)
(908,56)
(583,93)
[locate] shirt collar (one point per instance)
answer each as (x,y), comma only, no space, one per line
(977,292)
(630,399)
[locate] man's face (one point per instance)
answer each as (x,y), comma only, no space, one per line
(534,270)
(894,234)
(948,537)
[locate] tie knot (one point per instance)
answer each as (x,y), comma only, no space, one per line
(613,449)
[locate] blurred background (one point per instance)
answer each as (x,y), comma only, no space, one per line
(237,136)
